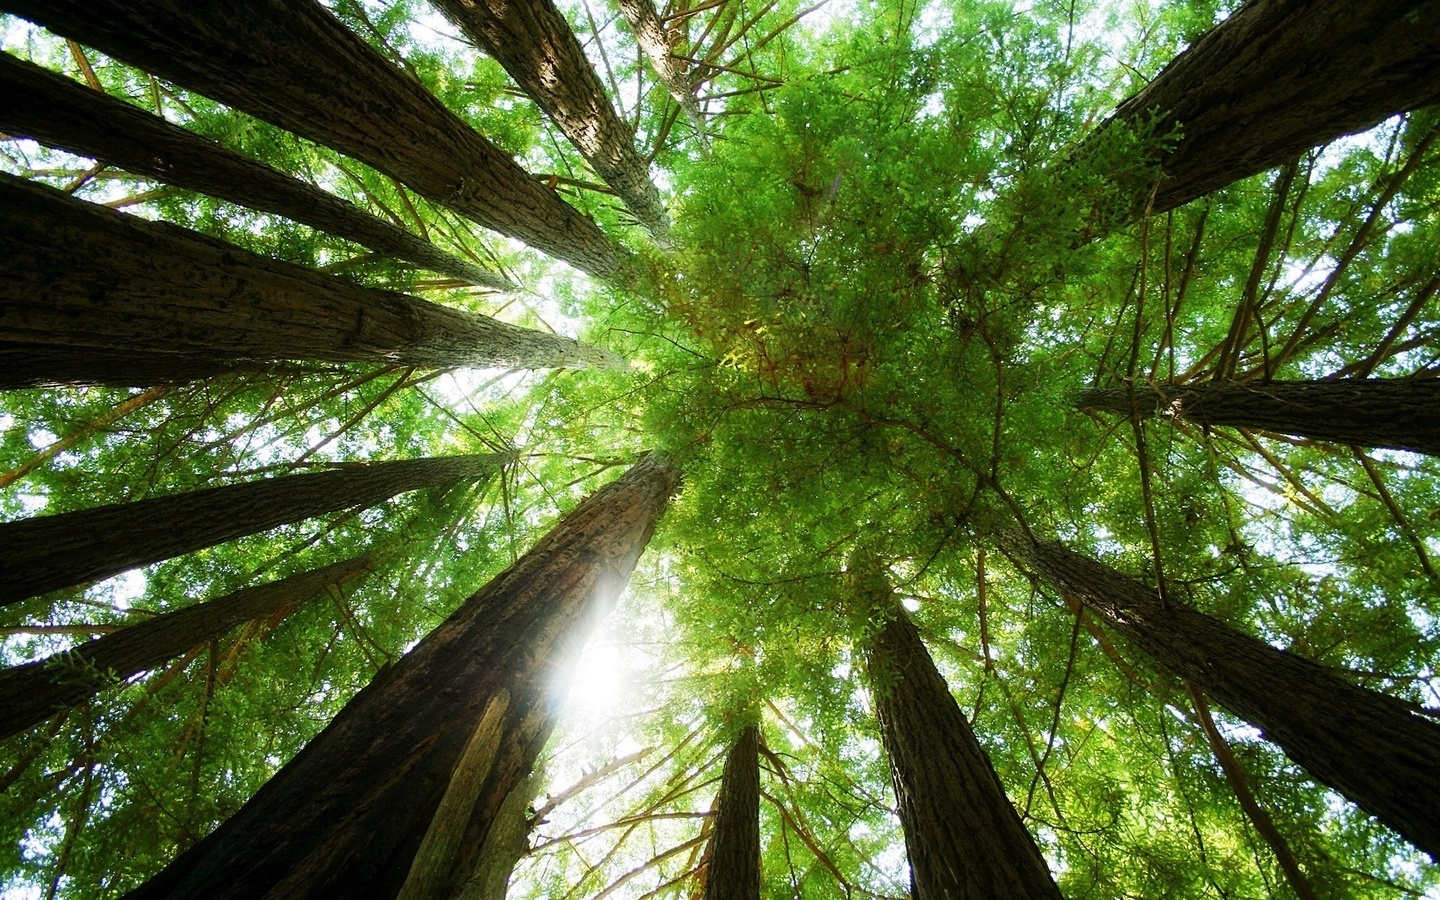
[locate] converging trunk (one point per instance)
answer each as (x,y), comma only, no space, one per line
(534,43)
(32,692)
(58,112)
(293,64)
(650,34)
(398,794)
(1399,414)
(1369,747)
(732,860)
(87,280)
(965,840)
(46,553)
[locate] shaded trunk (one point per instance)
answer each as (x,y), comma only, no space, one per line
(507,842)
(1369,747)
(732,860)
(964,838)
(346,817)
(23,366)
(293,64)
(533,41)
(650,34)
(31,693)
(81,279)
(1277,78)
(58,112)
(46,553)
(1399,414)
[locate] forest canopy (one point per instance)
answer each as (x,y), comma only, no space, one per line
(904,308)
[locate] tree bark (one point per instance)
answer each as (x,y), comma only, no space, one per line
(732,861)
(507,842)
(24,366)
(1277,78)
(293,64)
(58,112)
(46,553)
(84,280)
(964,838)
(345,817)
(533,41)
(1369,747)
(31,693)
(1399,414)
(650,34)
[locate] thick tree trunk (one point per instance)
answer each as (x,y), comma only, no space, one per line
(30,367)
(58,112)
(964,838)
(1277,78)
(46,553)
(507,842)
(655,44)
(1369,747)
(29,694)
(346,817)
(1399,414)
(292,63)
(732,860)
(534,43)
(82,278)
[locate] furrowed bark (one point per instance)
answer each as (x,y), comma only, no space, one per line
(504,846)
(964,837)
(23,366)
(31,693)
(58,112)
(345,817)
(293,64)
(1399,414)
(732,860)
(533,41)
(1369,747)
(82,279)
(1277,78)
(655,44)
(46,553)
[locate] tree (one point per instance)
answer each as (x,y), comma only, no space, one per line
(90,281)
(46,553)
(449,730)
(1398,414)
(732,858)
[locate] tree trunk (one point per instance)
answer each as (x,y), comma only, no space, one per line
(964,838)
(292,63)
(655,44)
(1399,414)
(29,694)
(86,279)
(533,41)
(345,817)
(46,553)
(732,861)
(30,367)
(58,112)
(507,842)
(1277,78)
(1369,747)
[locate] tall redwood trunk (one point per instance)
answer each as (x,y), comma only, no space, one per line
(655,43)
(292,63)
(1401,414)
(23,366)
(965,840)
(732,860)
(1367,746)
(58,112)
(534,43)
(1279,77)
(346,817)
(88,281)
(46,553)
(30,693)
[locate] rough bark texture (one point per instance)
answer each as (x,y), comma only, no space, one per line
(292,63)
(1279,77)
(46,553)
(346,816)
(1367,746)
(1401,414)
(964,838)
(29,694)
(58,112)
(534,43)
(655,43)
(732,860)
(507,842)
(23,366)
(84,278)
